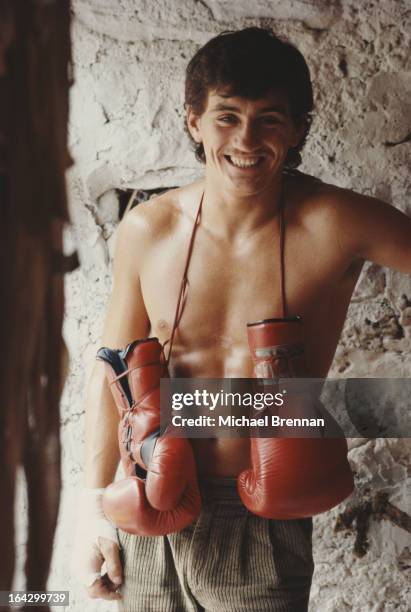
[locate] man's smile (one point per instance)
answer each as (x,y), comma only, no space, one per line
(244,162)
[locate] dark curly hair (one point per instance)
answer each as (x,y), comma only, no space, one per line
(250,63)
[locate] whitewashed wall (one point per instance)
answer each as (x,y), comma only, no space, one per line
(127,131)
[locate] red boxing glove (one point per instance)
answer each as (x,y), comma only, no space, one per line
(160,494)
(291,478)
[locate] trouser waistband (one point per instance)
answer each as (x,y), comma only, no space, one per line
(221,489)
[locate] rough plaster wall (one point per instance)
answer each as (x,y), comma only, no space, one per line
(127,131)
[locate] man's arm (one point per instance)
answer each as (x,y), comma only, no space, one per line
(126,320)
(375,231)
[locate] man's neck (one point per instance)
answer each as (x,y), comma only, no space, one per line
(230,213)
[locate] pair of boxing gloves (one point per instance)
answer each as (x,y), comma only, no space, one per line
(289,478)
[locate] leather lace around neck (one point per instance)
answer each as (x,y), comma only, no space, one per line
(182,296)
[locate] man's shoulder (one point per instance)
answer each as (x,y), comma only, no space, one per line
(332,218)
(158,217)
(315,192)
(317,200)
(355,223)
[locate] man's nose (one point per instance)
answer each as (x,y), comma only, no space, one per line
(247,136)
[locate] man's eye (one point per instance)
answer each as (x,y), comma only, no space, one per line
(227,118)
(270,120)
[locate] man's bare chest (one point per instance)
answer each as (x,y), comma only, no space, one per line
(230,285)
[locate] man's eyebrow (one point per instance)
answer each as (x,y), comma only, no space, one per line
(220,106)
(274,109)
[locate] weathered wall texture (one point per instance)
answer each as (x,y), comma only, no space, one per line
(127,131)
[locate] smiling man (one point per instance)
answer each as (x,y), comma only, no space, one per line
(245,142)
(265,241)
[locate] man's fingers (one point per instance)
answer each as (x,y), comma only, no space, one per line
(111,553)
(103,588)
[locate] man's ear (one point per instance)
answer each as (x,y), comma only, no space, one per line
(193,124)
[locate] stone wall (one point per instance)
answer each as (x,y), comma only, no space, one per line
(127,132)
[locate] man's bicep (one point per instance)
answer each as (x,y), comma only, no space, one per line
(389,237)
(380,233)
(127,318)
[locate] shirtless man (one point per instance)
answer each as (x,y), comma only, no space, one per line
(248,122)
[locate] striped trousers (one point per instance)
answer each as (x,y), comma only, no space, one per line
(228,560)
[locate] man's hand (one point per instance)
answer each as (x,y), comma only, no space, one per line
(106,586)
(96,543)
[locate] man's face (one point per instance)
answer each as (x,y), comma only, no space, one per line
(245,141)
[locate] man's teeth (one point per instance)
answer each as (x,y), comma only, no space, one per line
(244,163)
